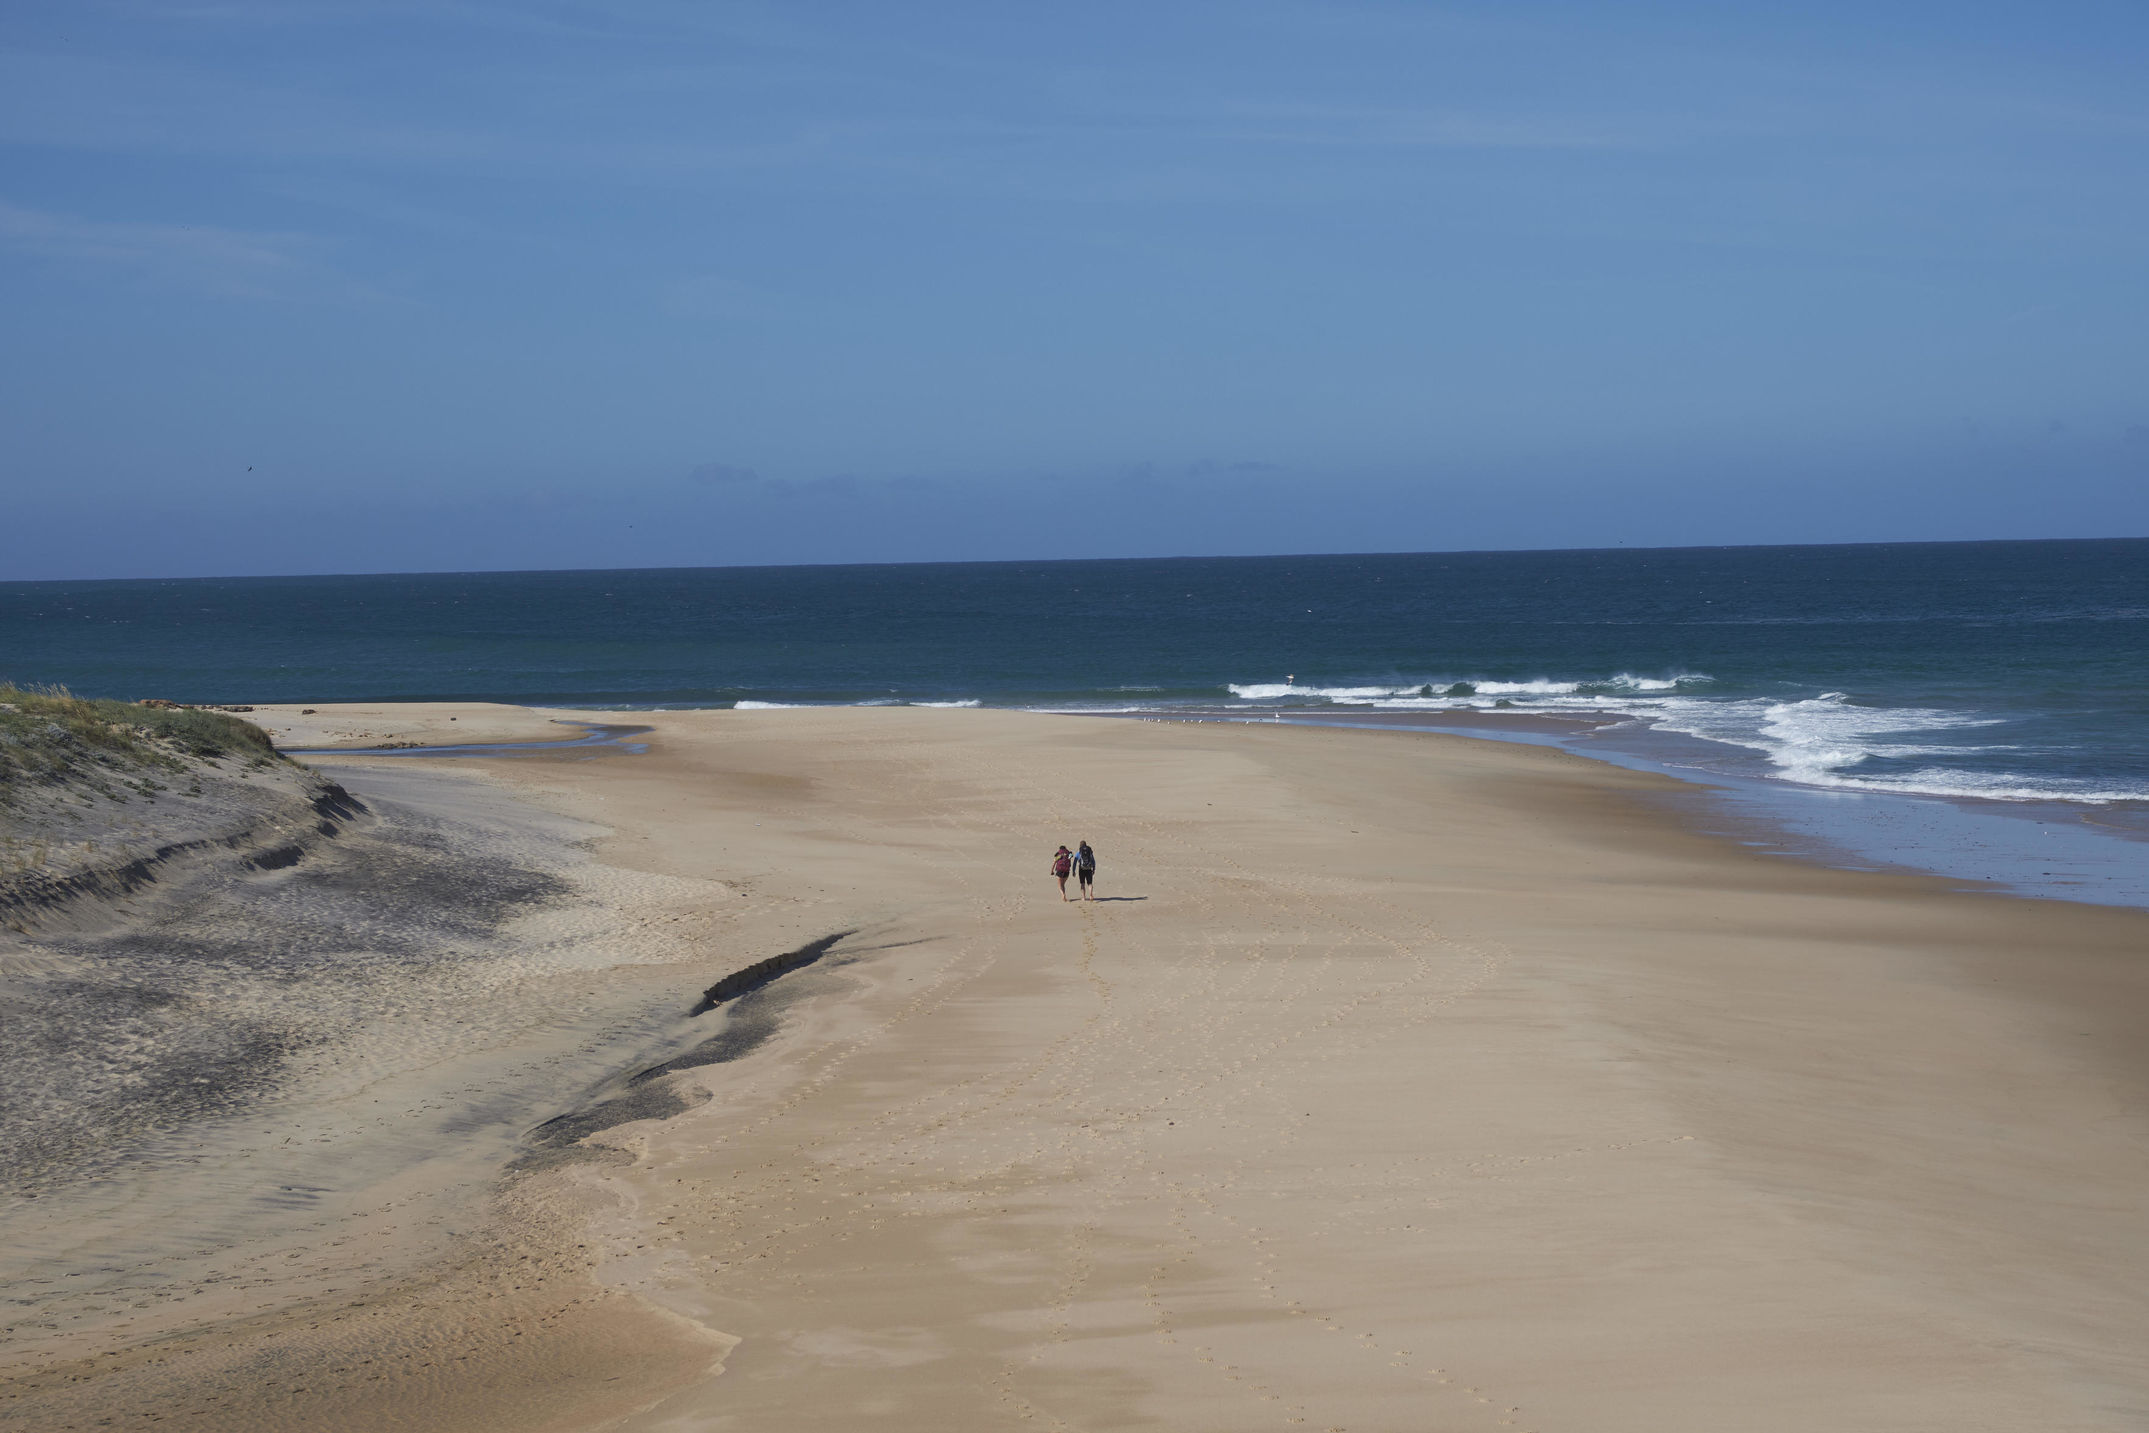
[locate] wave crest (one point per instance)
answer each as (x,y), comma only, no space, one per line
(1464,688)
(1828,740)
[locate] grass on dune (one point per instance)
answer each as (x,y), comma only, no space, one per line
(49,734)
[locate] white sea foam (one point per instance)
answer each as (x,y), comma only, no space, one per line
(1269,691)
(1463,688)
(1087,710)
(754,706)
(1825,741)
(1822,741)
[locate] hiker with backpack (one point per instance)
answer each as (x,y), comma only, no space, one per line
(1085,862)
(1062,866)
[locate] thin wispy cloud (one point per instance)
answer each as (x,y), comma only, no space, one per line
(230,262)
(375,202)
(607,20)
(665,91)
(1392,127)
(156,106)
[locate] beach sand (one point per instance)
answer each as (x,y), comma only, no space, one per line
(1395,1081)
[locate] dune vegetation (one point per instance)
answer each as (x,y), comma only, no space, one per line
(50,736)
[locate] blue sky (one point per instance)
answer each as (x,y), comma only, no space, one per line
(373,287)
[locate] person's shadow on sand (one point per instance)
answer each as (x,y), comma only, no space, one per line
(1101,899)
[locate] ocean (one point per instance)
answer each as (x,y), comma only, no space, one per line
(1975,709)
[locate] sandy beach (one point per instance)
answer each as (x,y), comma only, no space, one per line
(1394,1081)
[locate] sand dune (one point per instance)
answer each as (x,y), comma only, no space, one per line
(1395,1082)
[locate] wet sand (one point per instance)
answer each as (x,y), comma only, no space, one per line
(1397,1081)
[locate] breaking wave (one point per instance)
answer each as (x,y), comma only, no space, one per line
(1450,689)
(1828,740)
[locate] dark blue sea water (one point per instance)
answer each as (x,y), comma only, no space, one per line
(1997,676)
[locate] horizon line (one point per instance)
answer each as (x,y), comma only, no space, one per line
(1052,561)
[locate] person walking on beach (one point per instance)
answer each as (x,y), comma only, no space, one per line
(1086,867)
(1062,864)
